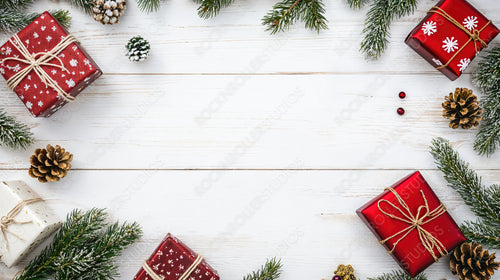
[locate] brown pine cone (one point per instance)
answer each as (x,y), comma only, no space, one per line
(50,164)
(471,262)
(462,109)
(108,11)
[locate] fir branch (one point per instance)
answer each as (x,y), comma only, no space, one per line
(85,5)
(487,77)
(270,271)
(15,4)
(12,20)
(14,134)
(148,5)
(287,12)
(357,4)
(398,275)
(84,248)
(482,233)
(210,8)
(378,21)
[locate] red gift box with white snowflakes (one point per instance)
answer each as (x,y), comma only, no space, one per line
(46,66)
(173,260)
(451,35)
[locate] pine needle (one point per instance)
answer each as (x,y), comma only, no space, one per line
(270,271)
(287,12)
(378,22)
(398,275)
(14,134)
(148,5)
(357,4)
(15,4)
(210,8)
(85,5)
(483,201)
(13,20)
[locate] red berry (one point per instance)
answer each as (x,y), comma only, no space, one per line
(402,95)
(336,277)
(401,111)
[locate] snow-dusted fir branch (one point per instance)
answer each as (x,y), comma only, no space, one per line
(15,4)
(287,12)
(14,134)
(12,20)
(84,248)
(398,275)
(487,77)
(269,271)
(210,8)
(483,201)
(357,4)
(378,22)
(85,5)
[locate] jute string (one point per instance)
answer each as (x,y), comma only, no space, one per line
(184,276)
(424,215)
(473,36)
(35,63)
(9,218)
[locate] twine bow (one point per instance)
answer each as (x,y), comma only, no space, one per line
(9,218)
(415,222)
(474,35)
(35,63)
(184,276)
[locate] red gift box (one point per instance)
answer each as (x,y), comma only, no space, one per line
(45,66)
(411,222)
(173,260)
(451,35)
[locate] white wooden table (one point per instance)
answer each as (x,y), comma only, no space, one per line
(246,145)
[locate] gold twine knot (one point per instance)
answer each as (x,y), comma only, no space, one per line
(424,215)
(184,276)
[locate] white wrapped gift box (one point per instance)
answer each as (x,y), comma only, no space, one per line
(21,232)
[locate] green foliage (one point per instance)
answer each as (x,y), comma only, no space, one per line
(148,5)
(287,12)
(85,5)
(378,21)
(210,8)
(270,271)
(14,4)
(483,201)
(487,77)
(83,249)
(357,4)
(12,20)
(398,275)
(14,134)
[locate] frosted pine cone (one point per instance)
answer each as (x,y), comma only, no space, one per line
(108,11)
(137,49)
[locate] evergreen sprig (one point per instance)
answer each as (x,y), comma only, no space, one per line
(483,201)
(12,20)
(287,12)
(487,77)
(378,23)
(17,4)
(357,4)
(269,271)
(14,134)
(83,249)
(85,5)
(210,8)
(398,275)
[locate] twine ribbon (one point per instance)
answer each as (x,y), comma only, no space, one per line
(474,36)
(35,63)
(9,219)
(415,222)
(184,276)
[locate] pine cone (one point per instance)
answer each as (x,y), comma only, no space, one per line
(108,11)
(462,109)
(345,272)
(471,262)
(50,164)
(137,49)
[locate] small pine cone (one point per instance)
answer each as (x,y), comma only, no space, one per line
(471,262)
(462,109)
(345,272)
(108,11)
(50,164)
(137,49)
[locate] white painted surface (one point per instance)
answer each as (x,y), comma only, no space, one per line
(246,145)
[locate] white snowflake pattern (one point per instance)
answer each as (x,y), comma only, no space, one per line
(2,71)
(22,97)
(27,41)
(470,22)
(429,27)
(8,50)
(35,35)
(464,62)
(450,44)
(29,105)
(54,71)
(15,68)
(48,38)
(54,28)
(43,27)
(40,103)
(70,83)
(73,62)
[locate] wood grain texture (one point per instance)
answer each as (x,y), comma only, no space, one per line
(246,145)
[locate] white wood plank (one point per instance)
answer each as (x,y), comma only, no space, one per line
(235,42)
(306,217)
(251,121)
